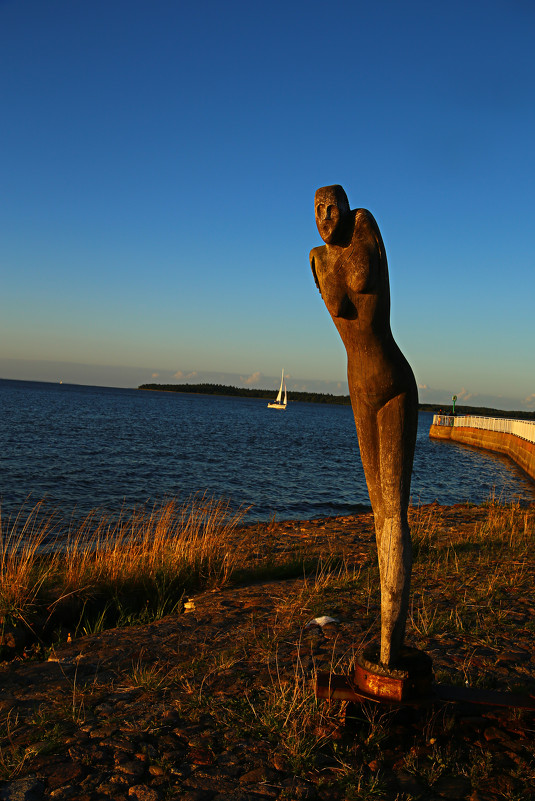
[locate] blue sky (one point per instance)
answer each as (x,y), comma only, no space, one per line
(158,164)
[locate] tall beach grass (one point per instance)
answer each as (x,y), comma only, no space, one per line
(112,571)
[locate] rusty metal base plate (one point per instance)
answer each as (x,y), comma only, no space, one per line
(411,677)
(343,688)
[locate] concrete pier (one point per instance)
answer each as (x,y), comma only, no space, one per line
(514,438)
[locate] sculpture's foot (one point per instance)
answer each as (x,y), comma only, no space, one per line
(410,678)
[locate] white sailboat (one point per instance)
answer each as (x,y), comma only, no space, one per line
(278,403)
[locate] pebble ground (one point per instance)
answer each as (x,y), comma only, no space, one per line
(216,703)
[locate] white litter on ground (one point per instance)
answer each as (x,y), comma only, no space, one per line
(321,621)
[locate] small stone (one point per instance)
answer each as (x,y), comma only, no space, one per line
(67,773)
(102,732)
(131,769)
(200,756)
(96,754)
(112,792)
(120,744)
(232,764)
(257,775)
(140,792)
(120,780)
(68,792)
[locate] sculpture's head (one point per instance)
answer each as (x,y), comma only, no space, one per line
(332,213)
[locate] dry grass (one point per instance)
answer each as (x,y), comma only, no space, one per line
(22,573)
(192,539)
(106,568)
(472,582)
(507,524)
(467,579)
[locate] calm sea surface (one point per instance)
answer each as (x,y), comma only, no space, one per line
(86,447)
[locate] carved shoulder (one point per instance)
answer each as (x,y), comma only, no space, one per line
(315,253)
(316,259)
(366,224)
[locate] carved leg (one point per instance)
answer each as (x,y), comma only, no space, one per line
(392,562)
(368,436)
(386,441)
(396,424)
(395,562)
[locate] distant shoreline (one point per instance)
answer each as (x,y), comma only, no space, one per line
(319,397)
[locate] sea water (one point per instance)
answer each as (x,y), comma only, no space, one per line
(95,447)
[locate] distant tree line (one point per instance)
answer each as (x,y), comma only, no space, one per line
(242,392)
(320,397)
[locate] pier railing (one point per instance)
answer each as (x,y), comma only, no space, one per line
(525,429)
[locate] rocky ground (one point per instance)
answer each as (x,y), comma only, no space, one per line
(217,703)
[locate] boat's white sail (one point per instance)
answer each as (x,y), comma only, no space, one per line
(278,403)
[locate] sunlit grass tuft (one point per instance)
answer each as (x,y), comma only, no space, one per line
(23,574)
(136,567)
(510,525)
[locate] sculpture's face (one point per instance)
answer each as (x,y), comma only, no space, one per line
(332,210)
